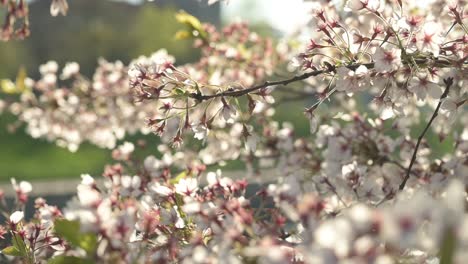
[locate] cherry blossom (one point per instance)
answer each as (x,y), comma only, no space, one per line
(59,7)
(421,86)
(351,81)
(186,186)
(387,60)
(16,217)
(430,39)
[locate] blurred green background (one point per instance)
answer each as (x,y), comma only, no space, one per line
(114,30)
(92,29)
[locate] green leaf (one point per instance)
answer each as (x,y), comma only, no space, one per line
(12,251)
(88,242)
(180,203)
(20,80)
(19,244)
(182,34)
(178,177)
(189,20)
(196,27)
(447,249)
(69,260)
(8,86)
(179,91)
(69,230)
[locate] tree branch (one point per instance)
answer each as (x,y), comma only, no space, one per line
(448,83)
(266,84)
(439,63)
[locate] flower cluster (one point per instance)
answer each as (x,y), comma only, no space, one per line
(190,97)
(16,23)
(16,13)
(67,108)
(393,50)
(155,95)
(171,209)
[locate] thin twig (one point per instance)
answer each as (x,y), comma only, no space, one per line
(236,93)
(285,82)
(387,197)
(448,83)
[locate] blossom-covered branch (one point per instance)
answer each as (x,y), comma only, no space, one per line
(233,93)
(448,84)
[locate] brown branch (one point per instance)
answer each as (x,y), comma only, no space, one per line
(438,63)
(201,97)
(448,83)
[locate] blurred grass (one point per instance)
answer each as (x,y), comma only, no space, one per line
(101,26)
(26,158)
